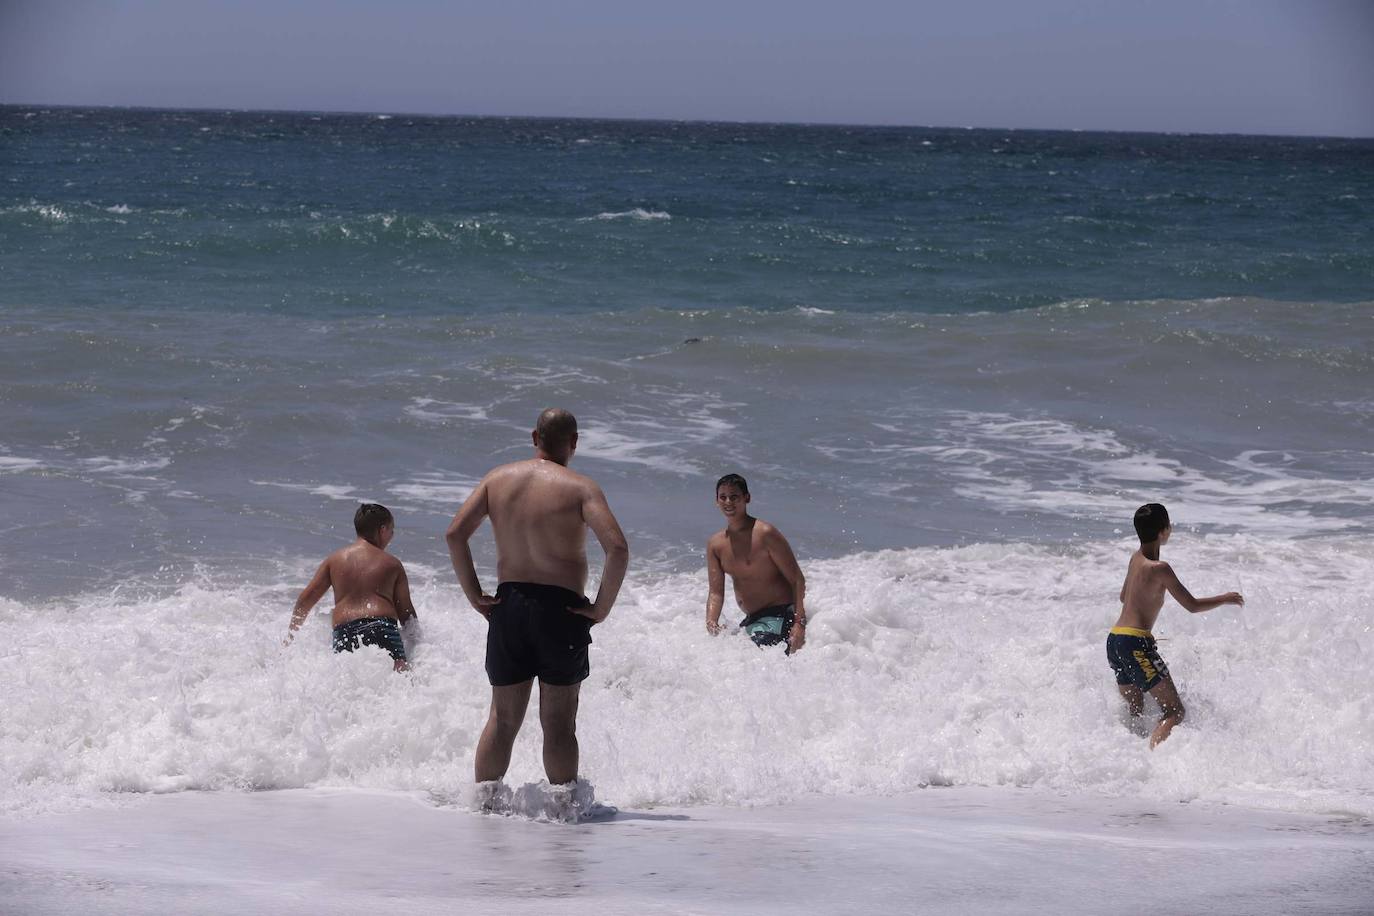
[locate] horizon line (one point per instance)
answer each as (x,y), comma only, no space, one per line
(374,113)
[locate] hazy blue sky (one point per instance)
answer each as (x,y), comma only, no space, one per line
(1251,66)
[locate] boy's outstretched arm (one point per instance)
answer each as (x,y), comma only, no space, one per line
(1185,598)
(309,597)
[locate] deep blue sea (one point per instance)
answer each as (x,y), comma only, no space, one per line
(951,364)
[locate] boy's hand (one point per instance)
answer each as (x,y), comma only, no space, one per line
(796,638)
(713,627)
(1233,598)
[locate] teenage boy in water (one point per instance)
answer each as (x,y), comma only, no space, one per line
(371,593)
(1131,649)
(769,585)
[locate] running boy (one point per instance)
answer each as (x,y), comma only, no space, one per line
(1131,648)
(769,585)
(371,594)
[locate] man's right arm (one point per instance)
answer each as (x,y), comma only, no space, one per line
(715,589)
(1185,598)
(464,525)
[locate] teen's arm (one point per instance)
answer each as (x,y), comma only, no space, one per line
(1185,598)
(781,553)
(715,590)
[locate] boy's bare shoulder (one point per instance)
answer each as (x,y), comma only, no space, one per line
(766,531)
(718,539)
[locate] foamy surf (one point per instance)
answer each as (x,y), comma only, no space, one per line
(977,666)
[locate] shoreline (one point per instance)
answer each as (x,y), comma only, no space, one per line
(945,850)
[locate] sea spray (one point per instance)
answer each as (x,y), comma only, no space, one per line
(981,665)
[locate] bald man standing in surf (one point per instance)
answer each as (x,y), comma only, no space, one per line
(538,622)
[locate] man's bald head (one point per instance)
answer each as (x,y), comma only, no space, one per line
(556,431)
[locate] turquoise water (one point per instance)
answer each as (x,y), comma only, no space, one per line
(221,329)
(314,214)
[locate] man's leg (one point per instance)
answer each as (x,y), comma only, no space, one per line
(508,706)
(558,717)
(1171,707)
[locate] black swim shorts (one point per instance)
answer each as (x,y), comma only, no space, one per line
(1135,658)
(531,633)
(770,626)
(382,632)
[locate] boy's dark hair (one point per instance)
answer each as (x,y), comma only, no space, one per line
(1150,520)
(369,519)
(733,480)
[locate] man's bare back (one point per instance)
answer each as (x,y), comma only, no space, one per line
(537,518)
(540,512)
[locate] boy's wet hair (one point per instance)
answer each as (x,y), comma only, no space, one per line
(369,519)
(1150,520)
(733,480)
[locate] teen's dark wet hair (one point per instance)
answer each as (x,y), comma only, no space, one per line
(1150,520)
(733,480)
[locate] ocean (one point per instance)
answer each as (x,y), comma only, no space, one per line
(950,362)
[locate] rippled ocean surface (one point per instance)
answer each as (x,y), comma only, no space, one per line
(950,362)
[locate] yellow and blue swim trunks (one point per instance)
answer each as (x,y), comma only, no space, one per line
(1134,657)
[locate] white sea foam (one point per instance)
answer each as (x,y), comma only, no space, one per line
(47,211)
(432,410)
(638,213)
(337,492)
(119,208)
(119,467)
(11,463)
(1062,468)
(433,489)
(981,666)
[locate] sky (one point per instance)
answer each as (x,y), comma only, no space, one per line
(1211,66)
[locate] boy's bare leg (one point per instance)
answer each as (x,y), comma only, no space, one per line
(1171,707)
(558,717)
(508,705)
(1135,700)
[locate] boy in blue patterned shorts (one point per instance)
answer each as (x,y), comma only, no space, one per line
(371,593)
(1131,649)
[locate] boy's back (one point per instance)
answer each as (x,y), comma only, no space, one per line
(371,594)
(364,578)
(1142,594)
(1131,649)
